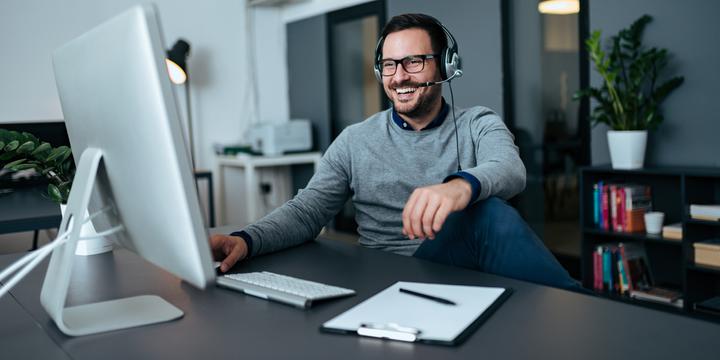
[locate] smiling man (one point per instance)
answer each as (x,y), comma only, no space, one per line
(402,169)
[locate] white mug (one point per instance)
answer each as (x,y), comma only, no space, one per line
(654,222)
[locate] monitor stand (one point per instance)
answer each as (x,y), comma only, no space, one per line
(101,316)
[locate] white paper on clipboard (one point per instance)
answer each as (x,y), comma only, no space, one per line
(426,319)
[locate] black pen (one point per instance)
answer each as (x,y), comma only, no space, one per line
(429,297)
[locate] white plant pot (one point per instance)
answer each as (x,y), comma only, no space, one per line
(627,148)
(94,246)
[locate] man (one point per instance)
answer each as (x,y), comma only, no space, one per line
(400,168)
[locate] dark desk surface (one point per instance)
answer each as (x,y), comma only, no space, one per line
(26,209)
(535,322)
(22,337)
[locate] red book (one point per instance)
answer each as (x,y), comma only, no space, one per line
(605,207)
(613,207)
(598,269)
(621,209)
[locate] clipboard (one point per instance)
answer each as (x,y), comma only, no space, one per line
(395,315)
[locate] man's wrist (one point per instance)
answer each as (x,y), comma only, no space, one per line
(247,239)
(465,188)
(471,180)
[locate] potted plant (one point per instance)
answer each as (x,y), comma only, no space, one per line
(23,151)
(631,93)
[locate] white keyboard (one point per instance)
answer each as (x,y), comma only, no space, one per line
(282,288)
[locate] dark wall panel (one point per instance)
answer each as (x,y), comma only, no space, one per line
(689,30)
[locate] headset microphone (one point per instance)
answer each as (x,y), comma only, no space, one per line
(457,73)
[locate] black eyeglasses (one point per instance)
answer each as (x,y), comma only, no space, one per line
(411,64)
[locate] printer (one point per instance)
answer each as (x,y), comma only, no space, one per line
(276,139)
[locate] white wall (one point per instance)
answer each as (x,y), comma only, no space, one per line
(309,8)
(269,56)
(222,97)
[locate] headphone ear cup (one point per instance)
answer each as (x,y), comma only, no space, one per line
(378,56)
(453,64)
(443,64)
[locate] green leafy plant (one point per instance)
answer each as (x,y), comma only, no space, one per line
(630,96)
(22,151)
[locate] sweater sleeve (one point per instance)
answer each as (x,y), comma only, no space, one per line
(301,219)
(499,168)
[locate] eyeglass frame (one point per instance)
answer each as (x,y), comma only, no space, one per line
(424,58)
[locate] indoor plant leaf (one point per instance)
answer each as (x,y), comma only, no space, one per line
(26,147)
(40,149)
(55,193)
(16,162)
(12,146)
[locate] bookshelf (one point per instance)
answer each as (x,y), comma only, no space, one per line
(671,262)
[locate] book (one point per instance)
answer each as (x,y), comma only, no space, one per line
(620,207)
(659,295)
(707,252)
(596,203)
(622,275)
(597,269)
(619,268)
(638,201)
(672,231)
(636,265)
(705,212)
(605,207)
(705,217)
(621,226)
(613,207)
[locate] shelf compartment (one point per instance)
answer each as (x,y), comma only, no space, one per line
(619,236)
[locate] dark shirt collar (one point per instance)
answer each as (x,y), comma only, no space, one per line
(437,121)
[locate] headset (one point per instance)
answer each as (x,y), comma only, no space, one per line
(450,63)
(450,68)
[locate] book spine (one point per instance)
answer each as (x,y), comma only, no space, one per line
(596,204)
(607,282)
(597,269)
(605,208)
(621,210)
(615,285)
(626,269)
(613,207)
(622,275)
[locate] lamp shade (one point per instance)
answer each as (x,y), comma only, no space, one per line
(559,7)
(176,61)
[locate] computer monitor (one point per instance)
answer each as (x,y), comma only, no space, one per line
(127,138)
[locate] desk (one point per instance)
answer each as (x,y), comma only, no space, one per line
(536,322)
(250,164)
(25,209)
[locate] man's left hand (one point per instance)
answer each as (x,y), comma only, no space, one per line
(428,207)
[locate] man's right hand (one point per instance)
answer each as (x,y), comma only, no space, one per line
(228,249)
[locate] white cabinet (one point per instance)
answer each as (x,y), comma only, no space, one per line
(239,199)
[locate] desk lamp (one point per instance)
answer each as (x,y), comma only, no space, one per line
(176,62)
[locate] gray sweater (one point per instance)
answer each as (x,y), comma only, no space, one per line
(378,165)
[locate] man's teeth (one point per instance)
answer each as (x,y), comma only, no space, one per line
(405,90)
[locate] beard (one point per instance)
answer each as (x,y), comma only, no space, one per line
(422,106)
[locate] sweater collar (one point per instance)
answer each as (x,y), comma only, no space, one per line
(437,121)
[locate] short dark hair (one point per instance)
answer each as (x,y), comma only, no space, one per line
(438,39)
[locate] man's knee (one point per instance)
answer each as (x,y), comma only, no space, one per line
(494,213)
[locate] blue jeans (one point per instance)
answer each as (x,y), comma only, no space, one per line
(490,236)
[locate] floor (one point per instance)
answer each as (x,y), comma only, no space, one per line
(21,242)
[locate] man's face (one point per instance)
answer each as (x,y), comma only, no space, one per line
(407,98)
